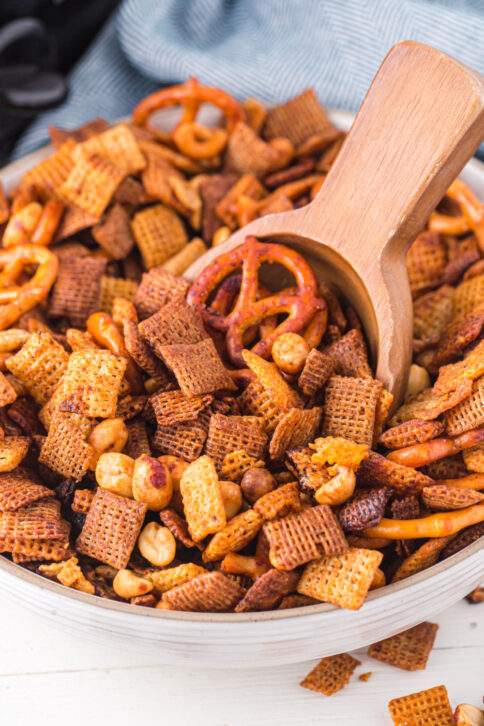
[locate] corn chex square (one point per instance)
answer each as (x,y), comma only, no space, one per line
(159,234)
(91,184)
(429,708)
(92,382)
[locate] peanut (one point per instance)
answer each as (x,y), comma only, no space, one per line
(114,472)
(232,498)
(418,380)
(289,352)
(338,489)
(109,435)
(176,467)
(255,483)
(152,483)
(157,544)
(127,585)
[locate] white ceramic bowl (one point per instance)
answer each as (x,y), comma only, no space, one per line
(249,639)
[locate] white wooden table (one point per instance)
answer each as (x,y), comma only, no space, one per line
(51,678)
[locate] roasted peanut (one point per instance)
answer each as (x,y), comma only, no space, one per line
(338,489)
(114,472)
(157,544)
(289,352)
(236,564)
(152,484)
(127,585)
(255,483)
(109,435)
(222,234)
(418,380)
(176,467)
(232,497)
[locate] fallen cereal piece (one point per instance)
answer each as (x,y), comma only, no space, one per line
(377,470)
(159,234)
(236,463)
(111,529)
(430,707)
(197,367)
(339,451)
(342,579)
(318,369)
(91,184)
(267,591)
(212,592)
(236,534)
(13,450)
(365,510)
(445,497)
(414,431)
(39,364)
(296,428)
(409,650)
(168,578)
(303,536)
(349,408)
(171,407)
(202,499)
(17,491)
(228,433)
(468,414)
(331,674)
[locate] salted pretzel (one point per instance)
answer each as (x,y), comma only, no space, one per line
(248,310)
(190,95)
(471,218)
(15,300)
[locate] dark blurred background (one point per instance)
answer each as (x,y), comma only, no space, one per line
(40,41)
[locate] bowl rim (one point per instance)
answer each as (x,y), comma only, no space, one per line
(343,120)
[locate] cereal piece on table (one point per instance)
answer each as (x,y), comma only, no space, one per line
(172,407)
(310,475)
(409,650)
(17,491)
(236,534)
(76,292)
(167,579)
(111,529)
(236,463)
(65,449)
(414,431)
(202,499)
(115,287)
(211,592)
(350,355)
(445,497)
(258,401)
(271,379)
(13,449)
(113,233)
(267,591)
(365,510)
(474,459)
(426,262)
(430,707)
(469,414)
(175,323)
(431,314)
(91,184)
(456,375)
(280,502)
(247,153)
(297,119)
(39,365)
(296,428)
(7,392)
(185,257)
(184,440)
(159,234)
(349,408)
(92,383)
(304,536)
(331,674)
(141,352)
(468,295)
(476,596)
(343,580)
(156,289)
(425,556)
(39,521)
(377,470)
(339,451)
(229,433)
(197,367)
(118,145)
(178,527)
(138,442)
(463,539)
(318,369)
(51,173)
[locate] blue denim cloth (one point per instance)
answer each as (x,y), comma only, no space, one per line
(270,49)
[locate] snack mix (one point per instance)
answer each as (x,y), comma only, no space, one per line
(222,445)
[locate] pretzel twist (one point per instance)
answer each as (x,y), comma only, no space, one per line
(471,218)
(249,311)
(15,300)
(199,142)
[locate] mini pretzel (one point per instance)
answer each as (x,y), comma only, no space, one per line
(16,299)
(471,219)
(199,142)
(425,453)
(190,95)
(248,310)
(105,332)
(436,525)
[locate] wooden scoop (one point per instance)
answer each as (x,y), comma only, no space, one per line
(421,120)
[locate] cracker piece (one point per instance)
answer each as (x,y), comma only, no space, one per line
(112,288)
(211,592)
(310,475)
(65,449)
(118,145)
(280,502)
(469,414)
(159,234)
(228,433)
(185,440)
(331,674)
(425,556)
(468,295)
(267,591)
(141,352)
(343,580)
(236,463)
(172,407)
(82,500)
(39,521)
(258,401)
(431,314)
(51,173)
(296,428)
(270,378)
(111,529)
(377,470)
(247,153)
(138,442)
(13,450)
(76,292)
(164,580)
(197,367)
(174,324)
(113,234)
(350,355)
(463,539)
(178,527)
(156,289)
(443,497)
(414,431)
(318,369)
(365,510)
(455,376)
(430,707)
(7,391)
(349,408)
(409,650)
(474,459)
(39,365)
(91,184)
(202,499)
(303,536)
(92,383)
(234,536)
(156,180)
(297,119)
(426,262)
(18,491)
(430,403)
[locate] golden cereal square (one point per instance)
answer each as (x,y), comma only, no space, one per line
(331,674)
(92,383)
(39,365)
(424,708)
(159,234)
(91,184)
(409,650)
(118,145)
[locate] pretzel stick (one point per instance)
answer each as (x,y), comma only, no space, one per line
(436,525)
(425,453)
(48,222)
(472,481)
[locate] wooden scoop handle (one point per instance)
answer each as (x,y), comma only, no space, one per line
(421,120)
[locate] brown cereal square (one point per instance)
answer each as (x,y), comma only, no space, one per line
(408,433)
(138,442)
(297,119)
(185,440)
(157,288)
(159,234)
(17,491)
(350,355)
(76,292)
(65,449)
(172,407)
(267,591)
(425,556)
(74,220)
(113,234)
(430,707)
(131,191)
(141,352)
(211,592)
(443,497)
(197,367)
(296,428)
(39,365)
(91,184)
(426,262)
(349,408)
(247,153)
(409,650)
(117,145)
(431,314)
(92,383)
(331,674)
(469,414)
(229,433)
(318,369)
(38,521)
(111,529)
(7,391)
(176,323)
(280,502)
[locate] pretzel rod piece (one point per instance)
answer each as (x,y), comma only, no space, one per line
(435,525)
(425,453)
(48,222)
(472,481)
